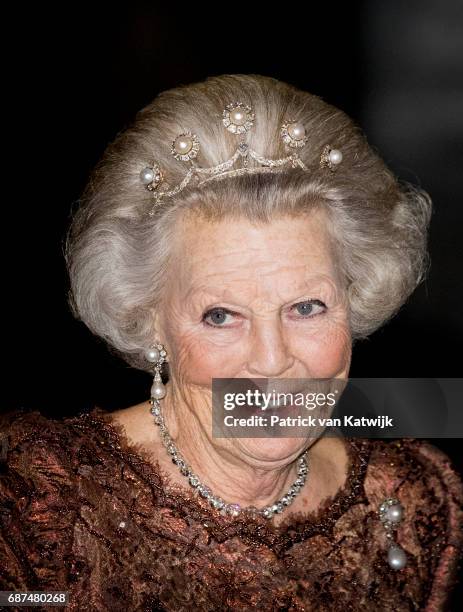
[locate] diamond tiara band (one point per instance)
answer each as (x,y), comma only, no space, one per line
(238,118)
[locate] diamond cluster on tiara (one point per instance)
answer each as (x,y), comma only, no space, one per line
(238,118)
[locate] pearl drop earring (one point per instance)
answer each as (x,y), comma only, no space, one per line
(157,355)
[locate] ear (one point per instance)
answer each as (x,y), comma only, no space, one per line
(155,323)
(158,332)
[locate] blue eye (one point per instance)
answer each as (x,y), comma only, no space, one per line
(310,308)
(217,316)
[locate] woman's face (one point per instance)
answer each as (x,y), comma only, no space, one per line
(262,301)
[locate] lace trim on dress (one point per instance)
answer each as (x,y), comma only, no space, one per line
(254,529)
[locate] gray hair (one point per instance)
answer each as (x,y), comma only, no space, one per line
(118,257)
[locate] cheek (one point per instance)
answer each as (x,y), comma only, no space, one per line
(197,359)
(326,353)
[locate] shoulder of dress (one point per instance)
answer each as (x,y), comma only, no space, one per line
(413,463)
(34,450)
(24,432)
(21,428)
(438,464)
(29,439)
(418,459)
(39,499)
(439,480)
(21,423)
(430,490)
(422,477)
(427,484)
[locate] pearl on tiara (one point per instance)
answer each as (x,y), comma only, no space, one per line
(335,157)
(238,118)
(146,176)
(151,176)
(185,147)
(293,134)
(330,158)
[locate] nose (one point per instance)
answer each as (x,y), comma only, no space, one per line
(269,355)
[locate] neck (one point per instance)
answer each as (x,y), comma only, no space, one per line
(228,469)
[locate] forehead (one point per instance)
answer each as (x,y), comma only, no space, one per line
(285,250)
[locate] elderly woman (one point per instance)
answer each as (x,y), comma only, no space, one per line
(240,228)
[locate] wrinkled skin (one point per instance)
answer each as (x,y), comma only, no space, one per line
(284,315)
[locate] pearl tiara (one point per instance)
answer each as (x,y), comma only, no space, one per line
(238,118)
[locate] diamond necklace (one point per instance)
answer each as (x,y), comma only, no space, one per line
(217,502)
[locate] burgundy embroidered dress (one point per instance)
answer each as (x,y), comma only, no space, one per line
(83,510)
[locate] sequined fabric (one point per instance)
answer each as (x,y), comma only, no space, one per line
(83,510)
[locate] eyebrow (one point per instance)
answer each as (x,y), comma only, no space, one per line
(217,294)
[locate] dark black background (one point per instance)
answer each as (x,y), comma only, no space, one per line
(75,75)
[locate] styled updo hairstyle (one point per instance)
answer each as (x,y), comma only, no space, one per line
(118,256)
